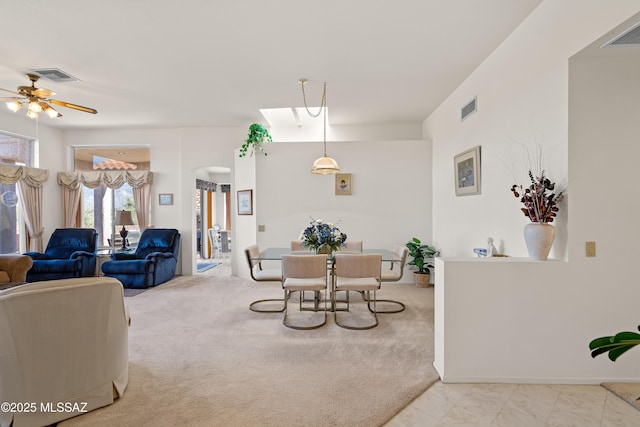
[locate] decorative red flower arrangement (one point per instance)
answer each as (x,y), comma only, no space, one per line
(539,200)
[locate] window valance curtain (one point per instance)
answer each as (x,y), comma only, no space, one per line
(72,183)
(201,184)
(112,179)
(29,184)
(34,177)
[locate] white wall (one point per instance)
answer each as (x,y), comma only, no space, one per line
(584,118)
(390,201)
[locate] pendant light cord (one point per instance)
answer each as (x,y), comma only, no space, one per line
(323,108)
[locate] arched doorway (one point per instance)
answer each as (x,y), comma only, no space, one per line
(213,211)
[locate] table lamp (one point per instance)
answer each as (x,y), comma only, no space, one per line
(124,218)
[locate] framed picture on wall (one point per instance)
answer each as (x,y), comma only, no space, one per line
(343,184)
(165,198)
(245,202)
(467,172)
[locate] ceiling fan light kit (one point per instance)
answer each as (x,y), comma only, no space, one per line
(324,165)
(39,99)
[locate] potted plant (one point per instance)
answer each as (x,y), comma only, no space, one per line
(420,253)
(257,135)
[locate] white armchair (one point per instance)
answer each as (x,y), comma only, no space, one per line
(62,341)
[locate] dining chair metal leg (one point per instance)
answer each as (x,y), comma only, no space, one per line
(375,317)
(316,308)
(401,306)
(252,306)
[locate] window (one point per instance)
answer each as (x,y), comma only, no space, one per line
(14,150)
(99,205)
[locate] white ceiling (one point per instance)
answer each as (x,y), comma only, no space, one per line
(165,63)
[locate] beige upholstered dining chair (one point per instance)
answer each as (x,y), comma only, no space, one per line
(394,274)
(296,246)
(357,272)
(262,275)
(352,246)
(304,273)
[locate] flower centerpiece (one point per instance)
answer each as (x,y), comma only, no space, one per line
(322,237)
(539,200)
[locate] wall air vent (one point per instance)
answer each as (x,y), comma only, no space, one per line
(470,108)
(628,37)
(55,74)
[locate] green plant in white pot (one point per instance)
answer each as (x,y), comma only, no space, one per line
(256,137)
(420,253)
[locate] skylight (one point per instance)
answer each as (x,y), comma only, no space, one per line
(282,118)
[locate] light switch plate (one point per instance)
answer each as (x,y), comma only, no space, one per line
(261,228)
(590,249)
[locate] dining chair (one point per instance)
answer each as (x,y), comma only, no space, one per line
(352,246)
(214,240)
(296,246)
(357,272)
(262,275)
(304,273)
(225,246)
(393,274)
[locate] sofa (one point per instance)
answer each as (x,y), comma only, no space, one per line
(70,252)
(13,268)
(62,341)
(153,262)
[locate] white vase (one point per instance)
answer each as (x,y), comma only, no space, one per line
(539,237)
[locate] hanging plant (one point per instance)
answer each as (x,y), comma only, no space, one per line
(257,135)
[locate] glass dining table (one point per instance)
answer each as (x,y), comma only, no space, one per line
(275,254)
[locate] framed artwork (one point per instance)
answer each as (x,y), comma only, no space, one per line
(165,198)
(467,172)
(343,184)
(245,202)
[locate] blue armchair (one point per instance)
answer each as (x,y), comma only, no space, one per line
(71,252)
(154,261)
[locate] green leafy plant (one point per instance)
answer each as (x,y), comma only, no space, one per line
(615,345)
(257,135)
(420,253)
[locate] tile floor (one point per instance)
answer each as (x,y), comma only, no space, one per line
(517,405)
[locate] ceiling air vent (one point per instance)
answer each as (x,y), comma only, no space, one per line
(628,37)
(55,74)
(469,109)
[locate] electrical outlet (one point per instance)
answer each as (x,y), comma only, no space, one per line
(591,249)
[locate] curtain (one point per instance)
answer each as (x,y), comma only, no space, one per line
(201,184)
(70,206)
(112,179)
(141,197)
(30,181)
(140,181)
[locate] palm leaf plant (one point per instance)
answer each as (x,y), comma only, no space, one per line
(615,345)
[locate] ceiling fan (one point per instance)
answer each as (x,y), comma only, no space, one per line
(38,100)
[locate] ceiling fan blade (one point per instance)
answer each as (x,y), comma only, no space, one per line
(43,93)
(12,98)
(10,91)
(74,106)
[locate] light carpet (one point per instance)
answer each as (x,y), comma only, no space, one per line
(629,392)
(199,357)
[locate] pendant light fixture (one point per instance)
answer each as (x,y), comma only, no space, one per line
(324,165)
